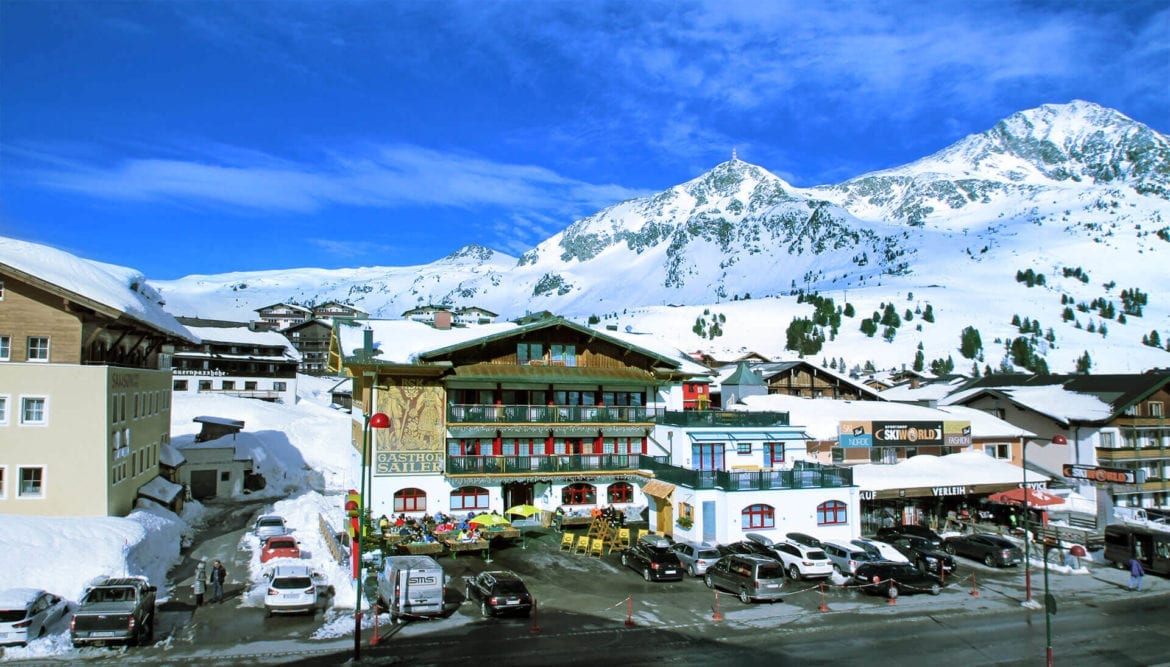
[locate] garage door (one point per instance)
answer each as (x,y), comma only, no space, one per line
(203,483)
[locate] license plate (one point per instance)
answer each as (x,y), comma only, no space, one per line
(771,586)
(670,571)
(102,634)
(511,602)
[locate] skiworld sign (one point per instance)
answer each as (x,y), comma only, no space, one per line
(1104,475)
(904,434)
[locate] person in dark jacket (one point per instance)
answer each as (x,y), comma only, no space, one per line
(1136,572)
(216,578)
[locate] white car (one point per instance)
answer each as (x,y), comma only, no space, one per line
(882,550)
(294,589)
(27,613)
(802,561)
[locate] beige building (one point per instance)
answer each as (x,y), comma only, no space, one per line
(84,383)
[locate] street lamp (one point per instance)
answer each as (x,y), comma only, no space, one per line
(369,422)
(1057,439)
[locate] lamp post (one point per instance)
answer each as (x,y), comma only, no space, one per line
(369,422)
(1057,439)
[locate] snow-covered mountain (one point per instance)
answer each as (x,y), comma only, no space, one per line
(1076,193)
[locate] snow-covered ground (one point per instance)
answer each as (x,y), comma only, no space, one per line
(304,453)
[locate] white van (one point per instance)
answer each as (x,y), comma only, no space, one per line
(411,587)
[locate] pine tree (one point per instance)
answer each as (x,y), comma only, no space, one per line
(919,361)
(970,343)
(928,314)
(1084,364)
(849,312)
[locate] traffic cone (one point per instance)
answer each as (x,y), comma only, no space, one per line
(718,616)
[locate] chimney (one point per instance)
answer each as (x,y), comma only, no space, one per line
(443,319)
(368,342)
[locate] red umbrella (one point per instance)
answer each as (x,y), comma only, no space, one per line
(1036,497)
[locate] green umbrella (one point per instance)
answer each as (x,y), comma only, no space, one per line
(523,510)
(489,520)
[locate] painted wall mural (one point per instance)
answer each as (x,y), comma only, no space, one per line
(414,443)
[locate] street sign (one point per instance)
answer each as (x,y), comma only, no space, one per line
(1103,475)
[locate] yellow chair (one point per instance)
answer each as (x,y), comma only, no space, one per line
(582,545)
(567,541)
(623,538)
(642,532)
(597,549)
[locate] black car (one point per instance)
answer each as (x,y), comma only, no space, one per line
(499,592)
(747,547)
(890,533)
(653,557)
(993,550)
(922,553)
(893,579)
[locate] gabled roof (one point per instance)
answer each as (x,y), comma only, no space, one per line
(289,306)
(1093,399)
(114,291)
(769,370)
(308,323)
(744,375)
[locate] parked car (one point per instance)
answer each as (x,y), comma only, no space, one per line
(805,539)
(890,579)
(294,589)
(754,543)
(696,558)
(119,610)
(499,592)
(27,613)
(803,562)
(269,525)
(279,546)
(923,554)
(846,557)
(890,533)
(881,550)
(749,576)
(993,550)
(652,556)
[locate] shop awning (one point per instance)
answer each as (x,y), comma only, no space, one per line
(657,488)
(1036,497)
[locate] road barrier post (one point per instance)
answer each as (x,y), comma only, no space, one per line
(974,586)
(535,629)
(630,611)
(823,607)
(718,614)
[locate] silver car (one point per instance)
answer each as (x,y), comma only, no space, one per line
(269,525)
(749,576)
(27,613)
(696,558)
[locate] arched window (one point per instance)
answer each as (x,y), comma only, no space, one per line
(831,513)
(758,516)
(469,498)
(620,492)
(579,494)
(410,500)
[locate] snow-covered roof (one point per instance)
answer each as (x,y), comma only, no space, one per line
(245,336)
(964,468)
(17,598)
(1053,401)
(984,425)
(169,455)
(928,391)
(401,341)
(821,417)
(161,489)
(117,287)
(240,442)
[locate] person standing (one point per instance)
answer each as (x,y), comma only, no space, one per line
(218,575)
(200,584)
(1136,572)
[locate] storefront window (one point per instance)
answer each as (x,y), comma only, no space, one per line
(579,494)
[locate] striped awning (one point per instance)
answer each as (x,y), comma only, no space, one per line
(657,488)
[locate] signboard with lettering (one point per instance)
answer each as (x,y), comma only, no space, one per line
(855,434)
(414,442)
(1103,475)
(912,434)
(957,434)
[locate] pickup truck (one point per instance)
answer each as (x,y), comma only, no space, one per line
(115,611)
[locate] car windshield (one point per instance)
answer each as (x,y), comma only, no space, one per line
(770,571)
(11,615)
(282,544)
(289,583)
(271,523)
(110,595)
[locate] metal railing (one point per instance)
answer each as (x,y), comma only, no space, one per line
(807,476)
(725,418)
(488,465)
(550,414)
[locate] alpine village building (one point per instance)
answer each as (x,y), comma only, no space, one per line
(85,385)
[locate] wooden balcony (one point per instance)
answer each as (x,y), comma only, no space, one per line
(1114,455)
(550,414)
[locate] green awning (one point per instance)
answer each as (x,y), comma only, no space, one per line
(776,435)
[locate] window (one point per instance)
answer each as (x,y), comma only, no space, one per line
(1155,408)
(279,386)
(5,348)
(527,353)
(579,494)
(410,500)
(38,348)
(620,492)
(3,480)
(3,410)
(34,410)
(832,513)
(1107,440)
(205,385)
(998,450)
(1,290)
(469,498)
(758,516)
(773,454)
(225,476)
(563,355)
(229,385)
(1132,410)
(32,482)
(838,455)
(249,385)
(686,511)
(743,448)
(180,385)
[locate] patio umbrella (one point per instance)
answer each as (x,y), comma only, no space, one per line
(1036,498)
(522,510)
(489,520)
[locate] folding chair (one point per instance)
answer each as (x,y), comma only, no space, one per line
(623,538)
(582,545)
(567,541)
(597,549)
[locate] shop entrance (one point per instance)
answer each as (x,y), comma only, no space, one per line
(518,493)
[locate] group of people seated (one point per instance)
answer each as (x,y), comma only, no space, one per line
(429,528)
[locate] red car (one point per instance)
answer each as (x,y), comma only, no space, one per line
(279,546)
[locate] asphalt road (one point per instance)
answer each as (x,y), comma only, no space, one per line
(594,611)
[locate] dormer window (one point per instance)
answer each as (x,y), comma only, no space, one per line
(529,353)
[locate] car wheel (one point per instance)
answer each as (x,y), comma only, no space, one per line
(950,548)
(794,572)
(707,580)
(934,589)
(484,609)
(837,569)
(267,613)
(989,560)
(646,573)
(690,570)
(743,596)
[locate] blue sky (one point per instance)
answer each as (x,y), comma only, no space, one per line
(197,137)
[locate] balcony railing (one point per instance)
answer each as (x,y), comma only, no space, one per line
(1130,453)
(807,476)
(550,414)
(726,418)
(489,465)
